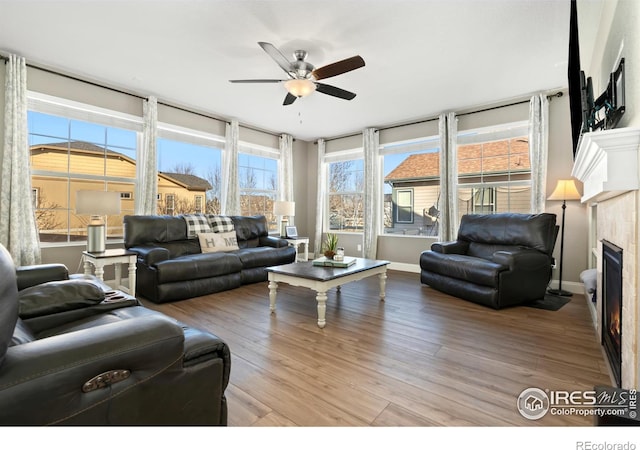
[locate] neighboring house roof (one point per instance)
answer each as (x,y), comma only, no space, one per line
(190,182)
(487,158)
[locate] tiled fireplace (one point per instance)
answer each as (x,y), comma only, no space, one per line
(607,165)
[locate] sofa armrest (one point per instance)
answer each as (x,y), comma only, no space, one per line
(28,276)
(42,380)
(451,247)
(272,241)
(525,259)
(151,256)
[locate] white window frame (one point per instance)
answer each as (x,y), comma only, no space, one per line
(35,197)
(199,138)
(413,146)
(411,204)
(487,134)
(262,151)
(334,157)
(73,110)
(198,203)
(170,198)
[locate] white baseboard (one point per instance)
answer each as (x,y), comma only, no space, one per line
(574,287)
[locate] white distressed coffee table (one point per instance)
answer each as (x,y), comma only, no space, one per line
(321,279)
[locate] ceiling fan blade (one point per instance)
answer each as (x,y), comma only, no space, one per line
(256,81)
(277,56)
(334,91)
(337,68)
(289,99)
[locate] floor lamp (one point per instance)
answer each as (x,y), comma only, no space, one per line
(565,190)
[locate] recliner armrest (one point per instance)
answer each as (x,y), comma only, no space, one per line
(525,259)
(451,247)
(272,241)
(151,255)
(200,346)
(51,372)
(28,276)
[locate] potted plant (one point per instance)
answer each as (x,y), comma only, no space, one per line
(330,244)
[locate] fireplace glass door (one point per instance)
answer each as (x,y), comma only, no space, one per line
(612,306)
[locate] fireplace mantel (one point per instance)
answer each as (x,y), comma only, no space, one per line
(607,163)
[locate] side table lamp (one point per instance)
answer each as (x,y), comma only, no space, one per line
(284,209)
(97,204)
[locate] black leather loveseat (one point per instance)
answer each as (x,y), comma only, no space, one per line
(498,260)
(72,352)
(171,265)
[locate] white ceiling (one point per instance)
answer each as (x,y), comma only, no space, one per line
(422,57)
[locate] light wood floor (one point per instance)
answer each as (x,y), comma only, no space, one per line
(420,358)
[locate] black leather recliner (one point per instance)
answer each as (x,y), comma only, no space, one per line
(498,260)
(74,353)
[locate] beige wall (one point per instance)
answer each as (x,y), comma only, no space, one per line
(559,166)
(63,87)
(613,32)
(301,187)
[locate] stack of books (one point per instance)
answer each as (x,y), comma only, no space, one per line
(325,262)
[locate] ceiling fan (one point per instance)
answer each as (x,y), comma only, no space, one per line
(303,77)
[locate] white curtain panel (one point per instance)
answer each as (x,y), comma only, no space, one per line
(147,167)
(321,197)
(18,229)
(448,129)
(372,194)
(230,191)
(285,177)
(538,150)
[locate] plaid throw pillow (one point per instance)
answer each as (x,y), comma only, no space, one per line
(220,224)
(196,224)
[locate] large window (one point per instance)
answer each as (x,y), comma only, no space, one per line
(69,155)
(412,187)
(189,173)
(346,195)
(494,170)
(258,183)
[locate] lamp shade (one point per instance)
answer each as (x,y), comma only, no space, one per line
(300,87)
(281,208)
(565,190)
(97,203)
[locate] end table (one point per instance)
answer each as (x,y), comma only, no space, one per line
(295,242)
(115,256)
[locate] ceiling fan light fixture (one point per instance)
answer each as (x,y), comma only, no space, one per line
(300,87)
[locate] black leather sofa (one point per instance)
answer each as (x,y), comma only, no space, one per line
(498,260)
(73,352)
(171,266)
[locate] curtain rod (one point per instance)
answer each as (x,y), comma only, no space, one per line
(549,97)
(120,91)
